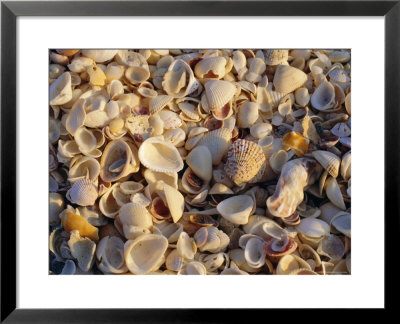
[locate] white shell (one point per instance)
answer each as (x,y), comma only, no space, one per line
(287,79)
(254,252)
(110,255)
(313,227)
(200,161)
(83,249)
(186,246)
(324,96)
(219,93)
(247,114)
(345,168)
(179,80)
(329,161)
(83,192)
(211,68)
(217,142)
(334,194)
(236,209)
(99,56)
(61,90)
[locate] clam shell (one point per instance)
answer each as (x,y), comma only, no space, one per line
(278,160)
(211,68)
(200,161)
(256,69)
(76,117)
(332,247)
(334,194)
(347,103)
(220,189)
(287,79)
(82,249)
(329,161)
(159,102)
(211,239)
(110,255)
(341,130)
(56,206)
(171,120)
(247,114)
(145,254)
(323,97)
(193,268)
(186,246)
(119,159)
(99,56)
(108,205)
(236,209)
(170,178)
(83,192)
(85,140)
(244,161)
(291,263)
(179,80)
(260,130)
(160,156)
(254,252)
(313,227)
(302,97)
(342,222)
(217,142)
(136,215)
(174,261)
(219,93)
(175,202)
(275,57)
(61,89)
(84,167)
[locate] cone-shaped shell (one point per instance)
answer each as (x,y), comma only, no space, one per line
(236,209)
(159,155)
(145,254)
(119,159)
(324,96)
(244,161)
(219,93)
(158,103)
(217,142)
(329,161)
(83,192)
(287,79)
(200,161)
(61,90)
(99,56)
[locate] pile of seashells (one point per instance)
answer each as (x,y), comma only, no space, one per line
(200,161)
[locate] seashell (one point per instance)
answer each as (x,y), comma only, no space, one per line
(145,254)
(342,222)
(61,90)
(82,249)
(99,56)
(256,69)
(345,167)
(236,209)
(114,71)
(302,97)
(254,252)
(83,192)
(329,161)
(334,194)
(72,222)
(158,103)
(295,175)
(313,227)
(84,167)
(245,161)
(110,255)
(287,79)
(220,189)
(278,160)
(179,80)
(347,103)
(291,263)
(332,247)
(308,253)
(170,178)
(170,230)
(323,97)
(239,60)
(56,206)
(200,161)
(341,130)
(67,52)
(247,114)
(133,216)
(276,57)
(85,140)
(211,68)
(261,130)
(186,246)
(160,156)
(217,142)
(69,268)
(279,247)
(174,200)
(96,75)
(339,56)
(219,93)
(55,70)
(174,261)
(210,238)
(193,268)
(119,159)
(171,120)
(296,142)
(115,89)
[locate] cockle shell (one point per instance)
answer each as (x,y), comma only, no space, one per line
(211,239)
(159,155)
(159,102)
(110,255)
(244,161)
(313,227)
(71,221)
(83,192)
(135,220)
(247,114)
(211,68)
(295,175)
(119,159)
(186,246)
(84,167)
(219,93)
(99,56)
(329,161)
(275,57)
(290,263)
(256,69)
(193,268)
(287,79)
(217,142)
(200,161)
(179,80)
(174,261)
(61,90)
(145,254)
(323,97)
(83,249)
(334,194)
(236,209)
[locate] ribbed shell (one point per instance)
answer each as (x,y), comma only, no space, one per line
(211,68)
(159,103)
(83,193)
(217,142)
(287,78)
(275,57)
(245,159)
(329,161)
(136,215)
(160,156)
(219,93)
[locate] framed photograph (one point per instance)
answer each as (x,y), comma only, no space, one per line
(187,138)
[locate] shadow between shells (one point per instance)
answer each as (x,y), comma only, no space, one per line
(183,162)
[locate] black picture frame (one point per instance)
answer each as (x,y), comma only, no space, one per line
(9,13)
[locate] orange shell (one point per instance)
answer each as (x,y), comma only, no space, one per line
(67,52)
(296,142)
(71,221)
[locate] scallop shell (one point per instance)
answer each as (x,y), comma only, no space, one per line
(99,56)
(211,68)
(219,93)
(61,89)
(179,80)
(82,249)
(236,209)
(247,114)
(83,192)
(329,161)
(119,159)
(334,194)
(110,255)
(287,79)
(200,161)
(160,156)
(217,142)
(295,175)
(323,97)
(145,254)
(244,161)
(275,57)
